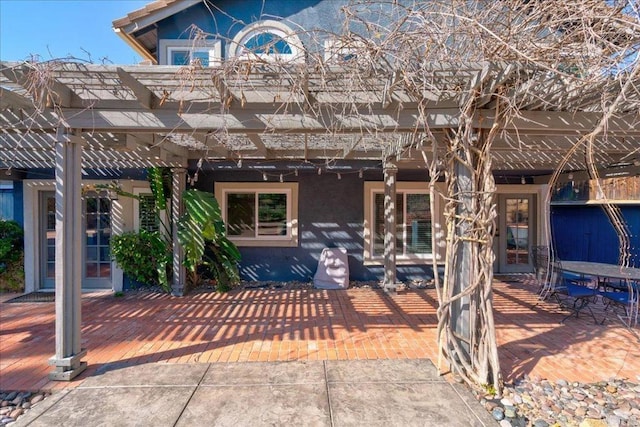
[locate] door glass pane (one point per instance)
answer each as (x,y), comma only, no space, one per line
(272,214)
(50,231)
(98,235)
(241,216)
(517,221)
(51,270)
(105,269)
(92,205)
(92,225)
(91,269)
(418,224)
(92,253)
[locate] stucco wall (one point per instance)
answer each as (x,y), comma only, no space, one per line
(331,214)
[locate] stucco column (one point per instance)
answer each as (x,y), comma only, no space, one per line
(68,276)
(390,172)
(179,184)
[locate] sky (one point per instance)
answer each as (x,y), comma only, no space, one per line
(54,29)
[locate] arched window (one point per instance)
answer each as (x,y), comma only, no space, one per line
(267,40)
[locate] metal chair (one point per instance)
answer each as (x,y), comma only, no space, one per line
(581,296)
(572,295)
(627,298)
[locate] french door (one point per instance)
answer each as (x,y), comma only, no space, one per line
(517,230)
(96,226)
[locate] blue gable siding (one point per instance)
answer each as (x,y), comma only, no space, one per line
(227,17)
(584,233)
(330,214)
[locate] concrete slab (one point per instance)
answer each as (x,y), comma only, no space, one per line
(367,371)
(267,405)
(406,404)
(117,406)
(250,373)
(152,374)
(306,393)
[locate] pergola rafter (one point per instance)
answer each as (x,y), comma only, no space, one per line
(321,118)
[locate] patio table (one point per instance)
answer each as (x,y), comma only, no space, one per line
(629,275)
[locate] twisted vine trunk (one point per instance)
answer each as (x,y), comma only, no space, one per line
(466,327)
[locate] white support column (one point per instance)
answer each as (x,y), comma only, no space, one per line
(179,184)
(390,226)
(67,360)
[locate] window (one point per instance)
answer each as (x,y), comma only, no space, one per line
(342,52)
(206,53)
(260,214)
(145,215)
(413,222)
(148,219)
(267,40)
(6,200)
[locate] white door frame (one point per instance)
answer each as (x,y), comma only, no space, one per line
(32,190)
(539,217)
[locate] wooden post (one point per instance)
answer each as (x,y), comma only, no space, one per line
(68,276)
(390,226)
(460,318)
(179,184)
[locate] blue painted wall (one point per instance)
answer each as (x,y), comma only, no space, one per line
(331,214)
(18,205)
(312,20)
(584,233)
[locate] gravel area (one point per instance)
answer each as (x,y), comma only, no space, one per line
(541,403)
(14,404)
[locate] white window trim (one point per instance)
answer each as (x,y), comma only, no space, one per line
(213,47)
(236,49)
(335,48)
(370,189)
(289,188)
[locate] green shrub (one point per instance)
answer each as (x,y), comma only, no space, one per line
(11,257)
(144,256)
(11,242)
(12,276)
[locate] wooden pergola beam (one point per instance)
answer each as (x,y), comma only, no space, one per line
(144,95)
(11,99)
(327,122)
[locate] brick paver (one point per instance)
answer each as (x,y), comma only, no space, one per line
(281,324)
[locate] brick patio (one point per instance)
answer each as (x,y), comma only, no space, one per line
(281,324)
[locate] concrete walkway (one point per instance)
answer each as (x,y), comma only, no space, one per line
(300,393)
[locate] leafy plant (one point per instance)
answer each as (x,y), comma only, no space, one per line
(144,256)
(11,256)
(201,233)
(11,242)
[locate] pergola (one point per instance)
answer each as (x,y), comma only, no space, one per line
(71,116)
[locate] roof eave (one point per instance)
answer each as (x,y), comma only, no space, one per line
(136,45)
(149,15)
